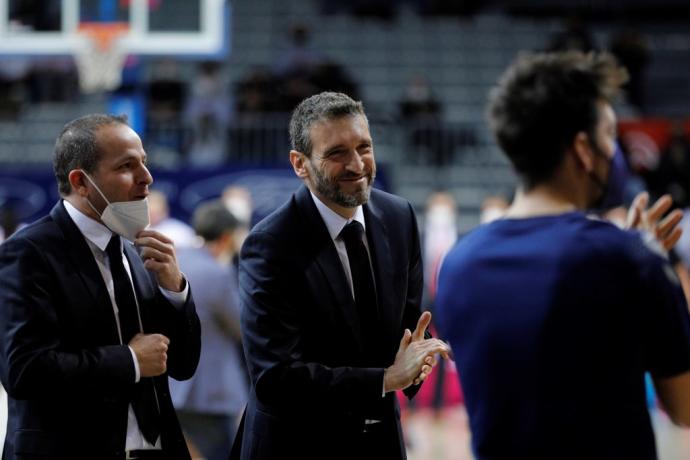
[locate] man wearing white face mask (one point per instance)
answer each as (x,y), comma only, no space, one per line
(92,325)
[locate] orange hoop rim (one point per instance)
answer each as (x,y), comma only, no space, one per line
(103,33)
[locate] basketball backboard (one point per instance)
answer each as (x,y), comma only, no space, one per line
(183,28)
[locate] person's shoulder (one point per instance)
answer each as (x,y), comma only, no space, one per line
(36,232)
(389,206)
(379,196)
(281,218)
(601,239)
(39,237)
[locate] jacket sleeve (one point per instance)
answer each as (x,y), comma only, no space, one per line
(33,361)
(271,333)
(182,327)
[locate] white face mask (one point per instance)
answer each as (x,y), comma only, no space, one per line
(126,218)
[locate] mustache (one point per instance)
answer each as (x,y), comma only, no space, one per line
(350,175)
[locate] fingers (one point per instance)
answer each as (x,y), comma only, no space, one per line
(672,238)
(153,245)
(154,235)
(405,341)
(426,370)
(161,337)
(659,208)
(667,231)
(636,210)
(422,324)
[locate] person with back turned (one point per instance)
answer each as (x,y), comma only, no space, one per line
(555,316)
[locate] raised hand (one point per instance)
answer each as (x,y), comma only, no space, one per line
(666,231)
(415,357)
(158,253)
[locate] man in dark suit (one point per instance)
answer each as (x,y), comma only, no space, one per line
(330,287)
(88,331)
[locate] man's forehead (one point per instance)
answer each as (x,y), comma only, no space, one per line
(333,126)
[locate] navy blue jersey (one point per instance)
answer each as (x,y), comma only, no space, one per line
(554,321)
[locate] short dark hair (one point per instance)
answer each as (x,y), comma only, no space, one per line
(211,219)
(77,147)
(320,107)
(543,100)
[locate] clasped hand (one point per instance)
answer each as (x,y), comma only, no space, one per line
(415,358)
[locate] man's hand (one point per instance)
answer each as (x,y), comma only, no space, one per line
(665,231)
(158,253)
(415,357)
(151,351)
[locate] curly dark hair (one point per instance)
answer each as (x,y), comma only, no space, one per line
(543,100)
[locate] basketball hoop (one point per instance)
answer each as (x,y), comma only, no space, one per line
(100,61)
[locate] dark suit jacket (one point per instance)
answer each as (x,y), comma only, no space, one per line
(67,377)
(313,382)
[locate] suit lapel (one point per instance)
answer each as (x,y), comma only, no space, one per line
(377,236)
(78,252)
(327,265)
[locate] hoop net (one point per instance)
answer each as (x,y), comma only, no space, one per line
(100,62)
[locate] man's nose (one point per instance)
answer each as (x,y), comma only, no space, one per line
(355,162)
(145,176)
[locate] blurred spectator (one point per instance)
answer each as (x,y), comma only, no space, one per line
(53,79)
(258,129)
(13,86)
(631,50)
(40,15)
(238,201)
(331,76)
(166,91)
(208,114)
(300,57)
(433,140)
(440,232)
(182,234)
(256,93)
(166,95)
(420,112)
(574,36)
(493,207)
(209,404)
(673,173)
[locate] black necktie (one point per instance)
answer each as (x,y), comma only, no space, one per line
(362,281)
(144,396)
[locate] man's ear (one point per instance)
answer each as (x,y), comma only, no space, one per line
(582,151)
(298,160)
(78,181)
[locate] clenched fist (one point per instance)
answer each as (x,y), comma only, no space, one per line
(151,351)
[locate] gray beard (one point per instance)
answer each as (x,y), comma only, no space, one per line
(331,190)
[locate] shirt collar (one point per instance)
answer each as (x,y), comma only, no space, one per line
(334,221)
(92,230)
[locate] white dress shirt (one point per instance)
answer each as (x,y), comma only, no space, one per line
(335,224)
(97,237)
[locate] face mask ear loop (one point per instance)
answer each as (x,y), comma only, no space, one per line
(98,190)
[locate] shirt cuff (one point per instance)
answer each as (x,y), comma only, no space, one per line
(178,299)
(137,373)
